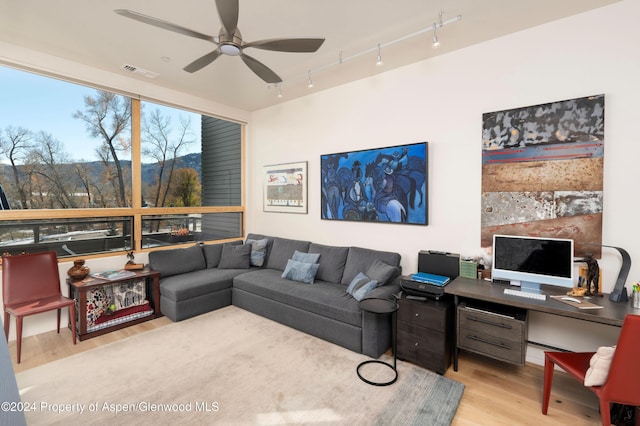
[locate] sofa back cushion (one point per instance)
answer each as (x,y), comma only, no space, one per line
(257,237)
(235,256)
(282,250)
(360,260)
(332,261)
(212,253)
(177,261)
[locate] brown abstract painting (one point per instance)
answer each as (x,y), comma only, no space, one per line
(542,169)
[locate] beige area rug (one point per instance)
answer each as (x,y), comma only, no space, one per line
(230,367)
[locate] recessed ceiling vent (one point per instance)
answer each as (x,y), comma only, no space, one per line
(137,70)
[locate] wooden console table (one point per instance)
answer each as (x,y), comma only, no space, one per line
(78,291)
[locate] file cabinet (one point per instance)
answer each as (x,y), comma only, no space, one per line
(424,332)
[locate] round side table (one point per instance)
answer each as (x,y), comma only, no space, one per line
(381,306)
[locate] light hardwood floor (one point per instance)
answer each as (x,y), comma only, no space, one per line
(495,393)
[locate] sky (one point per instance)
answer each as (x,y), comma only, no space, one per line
(45,104)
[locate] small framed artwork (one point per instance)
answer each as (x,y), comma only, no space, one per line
(285,188)
(383,185)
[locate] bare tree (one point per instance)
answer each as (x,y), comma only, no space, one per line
(161,145)
(107,116)
(15,146)
(54,168)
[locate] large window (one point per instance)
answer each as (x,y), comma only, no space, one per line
(158,174)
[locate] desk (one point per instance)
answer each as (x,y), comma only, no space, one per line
(611,314)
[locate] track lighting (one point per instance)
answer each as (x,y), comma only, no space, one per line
(379,62)
(435,42)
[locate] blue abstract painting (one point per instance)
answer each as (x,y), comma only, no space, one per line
(376,185)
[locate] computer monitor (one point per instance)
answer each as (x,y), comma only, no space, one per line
(532,261)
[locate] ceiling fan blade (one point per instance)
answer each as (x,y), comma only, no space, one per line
(261,70)
(163,24)
(228,11)
(287,44)
(203,61)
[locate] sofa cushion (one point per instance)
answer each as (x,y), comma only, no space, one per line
(382,272)
(332,261)
(360,286)
(305,257)
(360,259)
(212,253)
(282,250)
(193,284)
(258,251)
(300,271)
(177,261)
(235,256)
(322,298)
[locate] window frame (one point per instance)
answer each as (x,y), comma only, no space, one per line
(136,210)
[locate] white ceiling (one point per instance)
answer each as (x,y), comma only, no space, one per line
(89,32)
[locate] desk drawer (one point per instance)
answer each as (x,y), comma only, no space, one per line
(492,325)
(501,337)
(492,346)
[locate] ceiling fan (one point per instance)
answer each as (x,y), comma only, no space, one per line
(229,40)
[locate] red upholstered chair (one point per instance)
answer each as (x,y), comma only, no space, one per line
(31,285)
(623,382)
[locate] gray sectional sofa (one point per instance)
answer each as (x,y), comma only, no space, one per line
(312,297)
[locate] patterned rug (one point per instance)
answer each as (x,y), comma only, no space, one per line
(231,367)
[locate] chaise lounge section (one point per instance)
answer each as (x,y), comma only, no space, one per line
(261,276)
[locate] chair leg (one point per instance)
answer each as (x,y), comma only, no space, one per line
(548,379)
(7,318)
(19,336)
(605,412)
(59,311)
(72,320)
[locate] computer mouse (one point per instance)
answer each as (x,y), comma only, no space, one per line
(571,299)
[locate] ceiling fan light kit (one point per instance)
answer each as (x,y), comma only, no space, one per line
(230,43)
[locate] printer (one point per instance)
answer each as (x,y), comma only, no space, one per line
(430,262)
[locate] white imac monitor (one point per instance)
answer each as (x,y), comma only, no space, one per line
(532,261)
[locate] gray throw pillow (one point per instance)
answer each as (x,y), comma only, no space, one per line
(306,257)
(360,286)
(300,271)
(235,256)
(258,251)
(382,272)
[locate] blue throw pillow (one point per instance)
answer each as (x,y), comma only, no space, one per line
(258,251)
(305,257)
(300,271)
(360,286)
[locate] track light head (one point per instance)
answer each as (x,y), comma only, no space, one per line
(309,82)
(379,62)
(435,43)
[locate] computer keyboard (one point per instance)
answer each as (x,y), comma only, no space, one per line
(527,294)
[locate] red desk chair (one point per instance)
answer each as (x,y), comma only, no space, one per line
(623,382)
(31,285)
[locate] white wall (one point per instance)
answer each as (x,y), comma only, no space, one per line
(441,101)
